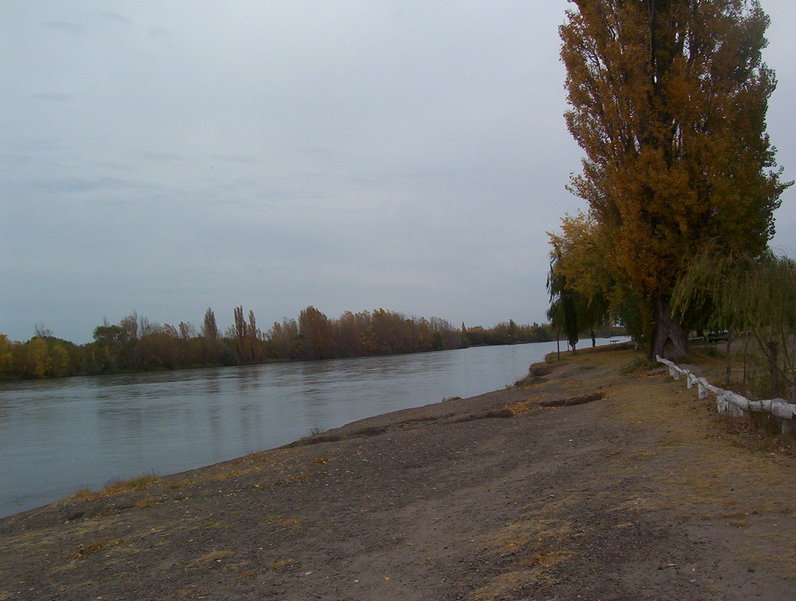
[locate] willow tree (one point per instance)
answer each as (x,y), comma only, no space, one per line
(579,260)
(748,294)
(668,102)
(563,312)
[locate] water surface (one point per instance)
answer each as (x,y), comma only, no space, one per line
(60,435)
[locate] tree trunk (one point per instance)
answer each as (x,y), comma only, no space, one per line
(772,362)
(558,344)
(669,340)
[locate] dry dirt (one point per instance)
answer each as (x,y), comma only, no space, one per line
(641,495)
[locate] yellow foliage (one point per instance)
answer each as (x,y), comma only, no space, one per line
(585,260)
(671,115)
(6,356)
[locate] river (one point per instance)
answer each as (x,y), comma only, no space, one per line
(57,436)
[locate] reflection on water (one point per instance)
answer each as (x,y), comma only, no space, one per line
(59,435)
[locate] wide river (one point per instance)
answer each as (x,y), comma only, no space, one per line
(60,435)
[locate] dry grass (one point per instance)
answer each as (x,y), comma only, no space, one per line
(528,405)
(523,535)
(322,460)
(293,478)
(116,487)
(702,466)
(710,466)
(502,586)
(90,549)
(537,545)
(210,558)
(282,521)
(547,558)
(281,564)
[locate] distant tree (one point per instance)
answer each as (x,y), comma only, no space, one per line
(465,339)
(108,341)
(240,334)
(209,327)
(37,358)
(6,356)
(246,336)
(448,335)
(129,325)
(668,101)
(282,340)
(348,335)
(187,330)
(213,348)
(59,359)
(41,331)
(317,334)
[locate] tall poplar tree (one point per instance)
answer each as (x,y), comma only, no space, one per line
(668,102)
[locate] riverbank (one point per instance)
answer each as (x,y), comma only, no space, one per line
(641,494)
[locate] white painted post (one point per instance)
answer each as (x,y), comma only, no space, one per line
(730,403)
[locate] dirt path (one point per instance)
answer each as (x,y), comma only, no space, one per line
(640,495)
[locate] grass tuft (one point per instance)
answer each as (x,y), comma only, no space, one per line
(116,487)
(210,558)
(84,550)
(281,564)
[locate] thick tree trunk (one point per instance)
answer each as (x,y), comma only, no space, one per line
(669,339)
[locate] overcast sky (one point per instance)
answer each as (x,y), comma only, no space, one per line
(166,157)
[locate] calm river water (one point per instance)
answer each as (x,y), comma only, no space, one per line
(60,435)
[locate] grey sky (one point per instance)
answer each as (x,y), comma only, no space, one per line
(165,157)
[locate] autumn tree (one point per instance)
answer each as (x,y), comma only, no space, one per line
(209,326)
(349,335)
(6,356)
(582,260)
(317,335)
(668,102)
(562,313)
(213,347)
(451,338)
(59,358)
(108,341)
(246,336)
(129,324)
(38,361)
(282,340)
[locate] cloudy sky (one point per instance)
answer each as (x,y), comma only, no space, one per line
(166,157)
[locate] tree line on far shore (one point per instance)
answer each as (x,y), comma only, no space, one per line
(137,344)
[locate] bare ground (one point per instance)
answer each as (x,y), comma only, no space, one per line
(641,495)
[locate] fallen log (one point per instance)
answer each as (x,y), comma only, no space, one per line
(575,400)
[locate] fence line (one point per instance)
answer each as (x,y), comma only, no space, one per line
(733,404)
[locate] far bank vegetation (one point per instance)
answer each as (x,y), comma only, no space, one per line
(138,344)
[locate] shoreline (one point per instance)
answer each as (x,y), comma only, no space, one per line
(507,495)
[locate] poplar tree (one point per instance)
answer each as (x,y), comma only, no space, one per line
(668,102)
(209,327)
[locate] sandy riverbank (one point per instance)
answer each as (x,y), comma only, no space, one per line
(643,494)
